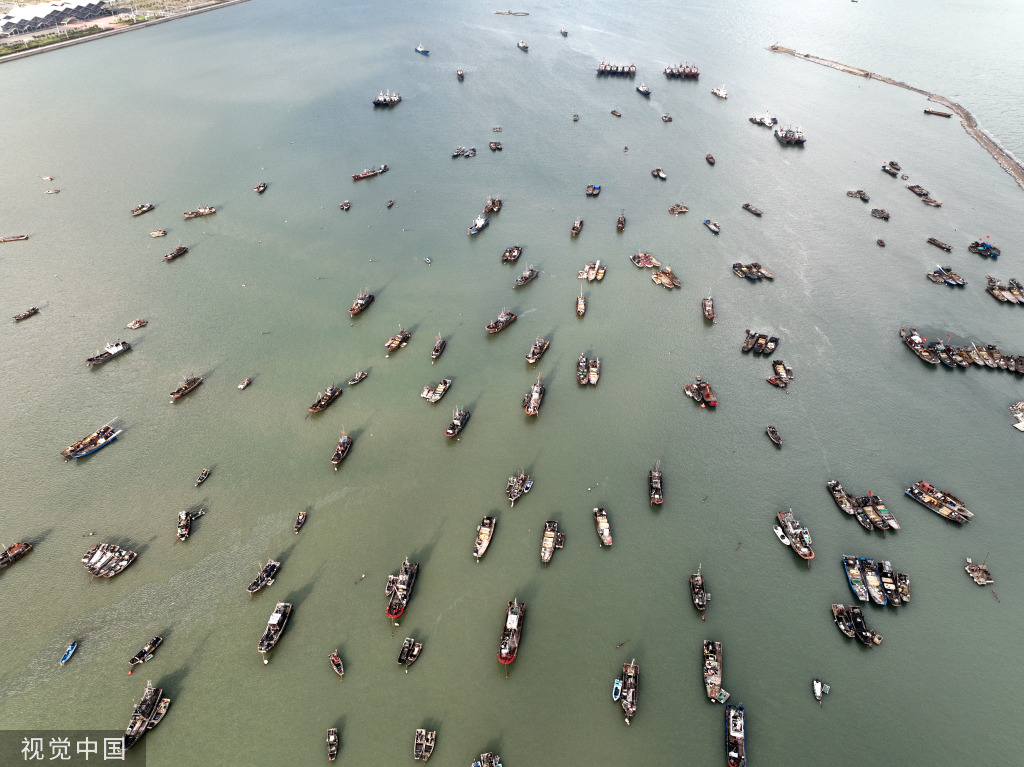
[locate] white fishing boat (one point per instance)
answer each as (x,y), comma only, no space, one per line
(720,92)
(780,535)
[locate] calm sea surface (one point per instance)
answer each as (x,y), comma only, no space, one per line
(198,111)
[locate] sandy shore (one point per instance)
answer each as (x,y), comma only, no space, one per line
(970,124)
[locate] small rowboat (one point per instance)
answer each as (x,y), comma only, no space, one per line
(300,521)
(68,653)
(336,664)
(617,689)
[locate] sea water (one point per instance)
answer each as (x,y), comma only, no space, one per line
(198,111)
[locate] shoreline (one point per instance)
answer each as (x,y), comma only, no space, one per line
(212,6)
(968,121)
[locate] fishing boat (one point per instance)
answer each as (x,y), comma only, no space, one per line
(713,672)
(860,628)
(105,560)
(594,371)
(527,276)
(414,655)
(266,576)
(539,347)
(982,248)
(577,227)
(917,344)
(880,242)
(550,540)
(940,244)
(770,346)
(158,233)
(434,393)
(358,377)
(735,737)
(478,225)
(880,213)
(275,627)
(616,690)
(484,533)
(630,688)
(245,383)
(260,188)
(748,207)
(68,653)
(903,586)
(708,307)
(422,50)
(399,340)
(389,203)
(399,588)
(666,118)
(799,536)
(843,621)
(666,278)
(518,485)
(781,535)
(14,238)
(643,90)
(888,578)
(386,99)
(336,664)
(344,446)
(604,530)
(460,417)
(438,350)
(890,170)
(203,476)
(521,45)
(202,210)
(300,520)
(179,251)
(362,302)
(146,653)
(13,553)
(698,593)
(512,631)
(713,226)
(677,208)
(143,207)
(512,254)
(185,519)
(720,92)
(534,397)
(502,321)
(332,744)
(564,32)
(659,173)
(859,193)
(460,74)
(942,502)
(773,435)
(790,135)
(593,190)
(98,440)
(52,191)
(979,572)
(710,159)
(370,173)
(583,370)
(853,575)
(620,225)
(147,713)
(323,401)
(346,205)
(654,484)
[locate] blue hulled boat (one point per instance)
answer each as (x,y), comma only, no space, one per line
(421,49)
(68,653)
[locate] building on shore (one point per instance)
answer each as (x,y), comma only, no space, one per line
(41,16)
